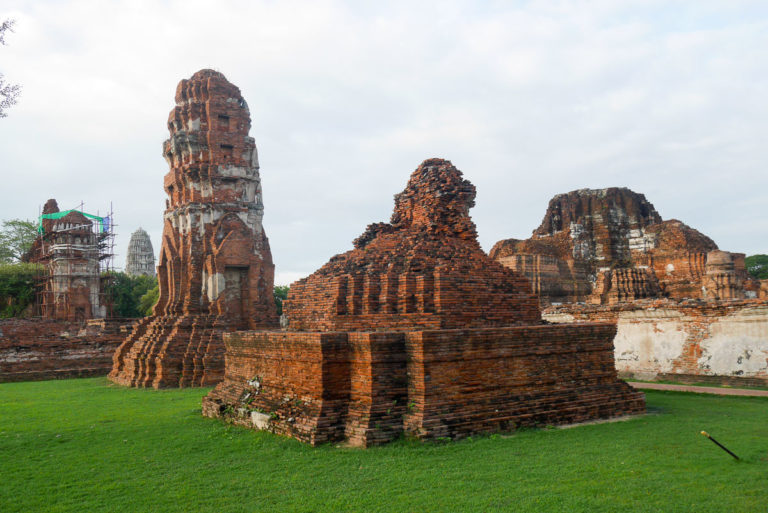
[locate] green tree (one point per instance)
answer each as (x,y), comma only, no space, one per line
(126,292)
(16,237)
(281,294)
(148,301)
(757,266)
(17,288)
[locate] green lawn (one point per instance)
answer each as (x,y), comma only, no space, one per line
(86,445)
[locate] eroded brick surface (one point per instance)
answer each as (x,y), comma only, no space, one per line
(33,350)
(417,331)
(610,245)
(215,270)
(424,268)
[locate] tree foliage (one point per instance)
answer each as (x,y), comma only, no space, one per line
(16,237)
(126,293)
(17,288)
(8,92)
(757,266)
(148,301)
(281,294)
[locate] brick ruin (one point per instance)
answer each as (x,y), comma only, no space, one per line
(69,247)
(140,259)
(215,269)
(685,310)
(40,349)
(73,333)
(609,246)
(416,331)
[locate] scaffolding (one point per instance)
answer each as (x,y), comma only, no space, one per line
(75,251)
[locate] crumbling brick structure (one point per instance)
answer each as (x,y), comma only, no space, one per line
(416,330)
(215,270)
(610,245)
(67,246)
(41,349)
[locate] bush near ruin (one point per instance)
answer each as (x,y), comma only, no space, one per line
(17,290)
(127,294)
(757,266)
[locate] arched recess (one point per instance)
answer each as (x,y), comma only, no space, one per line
(232,264)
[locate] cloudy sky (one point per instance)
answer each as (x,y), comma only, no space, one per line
(528,99)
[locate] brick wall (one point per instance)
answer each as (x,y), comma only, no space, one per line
(32,350)
(708,341)
(369,388)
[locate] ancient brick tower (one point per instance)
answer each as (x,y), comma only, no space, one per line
(141,257)
(215,271)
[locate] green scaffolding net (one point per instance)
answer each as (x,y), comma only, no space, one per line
(103,222)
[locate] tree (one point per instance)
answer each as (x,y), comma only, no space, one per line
(126,293)
(148,301)
(16,238)
(17,288)
(8,92)
(757,266)
(281,294)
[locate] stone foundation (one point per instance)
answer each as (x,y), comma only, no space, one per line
(372,387)
(723,342)
(33,350)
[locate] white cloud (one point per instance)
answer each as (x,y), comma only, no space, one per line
(347,99)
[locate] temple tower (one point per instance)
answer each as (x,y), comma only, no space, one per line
(141,257)
(215,271)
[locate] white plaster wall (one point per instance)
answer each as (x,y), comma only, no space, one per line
(648,342)
(737,345)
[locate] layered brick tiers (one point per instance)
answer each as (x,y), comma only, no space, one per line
(416,331)
(215,271)
(423,269)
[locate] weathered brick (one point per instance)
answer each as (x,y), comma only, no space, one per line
(417,331)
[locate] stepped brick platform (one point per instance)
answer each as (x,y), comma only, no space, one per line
(34,350)
(416,331)
(215,271)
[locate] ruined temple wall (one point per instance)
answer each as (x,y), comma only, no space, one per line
(718,341)
(33,350)
(369,388)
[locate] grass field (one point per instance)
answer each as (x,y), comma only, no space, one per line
(86,445)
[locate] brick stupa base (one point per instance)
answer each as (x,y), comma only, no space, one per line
(417,331)
(370,388)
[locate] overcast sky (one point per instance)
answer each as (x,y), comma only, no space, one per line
(528,99)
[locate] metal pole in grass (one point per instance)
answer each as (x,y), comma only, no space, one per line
(719,444)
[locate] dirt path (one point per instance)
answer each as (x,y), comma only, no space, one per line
(700,390)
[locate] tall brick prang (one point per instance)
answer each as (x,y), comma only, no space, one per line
(417,331)
(215,270)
